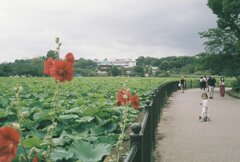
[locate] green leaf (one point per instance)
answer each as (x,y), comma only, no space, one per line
(97,130)
(42,115)
(68,116)
(3,114)
(32,142)
(27,123)
(90,111)
(109,139)
(88,152)
(74,110)
(85,119)
(109,127)
(59,154)
(105,127)
(61,140)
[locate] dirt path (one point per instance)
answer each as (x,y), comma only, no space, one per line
(183,138)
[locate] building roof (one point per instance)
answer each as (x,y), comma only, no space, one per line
(105,62)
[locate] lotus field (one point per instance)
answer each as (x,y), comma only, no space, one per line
(73,121)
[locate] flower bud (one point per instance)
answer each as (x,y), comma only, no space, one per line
(50,129)
(44,154)
(51,113)
(24,115)
(18,89)
(16,126)
(34,151)
(57,39)
(121,148)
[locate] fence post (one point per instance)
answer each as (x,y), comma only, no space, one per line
(149,132)
(136,138)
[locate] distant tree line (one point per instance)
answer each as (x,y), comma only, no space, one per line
(145,65)
(34,67)
(168,65)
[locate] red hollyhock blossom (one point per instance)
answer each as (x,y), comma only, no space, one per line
(123,97)
(135,101)
(9,139)
(62,71)
(70,58)
(48,64)
(59,69)
(35,159)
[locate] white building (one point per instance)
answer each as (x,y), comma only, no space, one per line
(123,62)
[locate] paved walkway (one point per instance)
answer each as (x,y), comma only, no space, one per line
(183,138)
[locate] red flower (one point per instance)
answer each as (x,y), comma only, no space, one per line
(35,159)
(123,97)
(62,71)
(48,64)
(135,101)
(59,69)
(9,139)
(70,58)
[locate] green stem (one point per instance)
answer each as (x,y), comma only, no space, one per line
(25,152)
(124,121)
(53,118)
(19,121)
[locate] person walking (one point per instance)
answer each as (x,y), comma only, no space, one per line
(222,87)
(182,82)
(204,83)
(211,84)
(201,82)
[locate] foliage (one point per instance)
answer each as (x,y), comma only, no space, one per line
(228,14)
(85,112)
(86,151)
(85,67)
(223,43)
(236,86)
(53,54)
(220,41)
(115,71)
(172,64)
(138,71)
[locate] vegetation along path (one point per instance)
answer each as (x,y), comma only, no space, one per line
(183,138)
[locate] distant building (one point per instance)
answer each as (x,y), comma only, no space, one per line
(117,62)
(154,70)
(104,67)
(124,62)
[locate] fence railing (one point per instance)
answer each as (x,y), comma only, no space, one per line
(142,140)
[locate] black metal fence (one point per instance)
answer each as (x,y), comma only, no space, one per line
(142,140)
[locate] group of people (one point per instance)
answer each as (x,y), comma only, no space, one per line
(211,83)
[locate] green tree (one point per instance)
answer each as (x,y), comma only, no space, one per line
(223,43)
(85,67)
(114,71)
(228,14)
(140,61)
(53,54)
(138,70)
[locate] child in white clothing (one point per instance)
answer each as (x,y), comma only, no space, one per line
(204,114)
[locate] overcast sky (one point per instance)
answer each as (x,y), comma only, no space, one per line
(103,28)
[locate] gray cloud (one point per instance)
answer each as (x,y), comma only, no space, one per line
(103,29)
